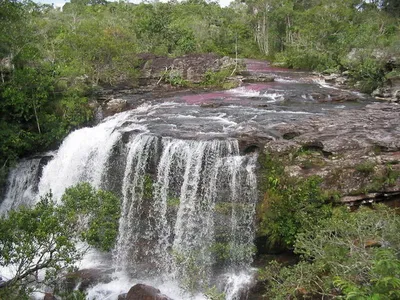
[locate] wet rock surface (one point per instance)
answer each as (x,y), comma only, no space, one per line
(85,278)
(335,130)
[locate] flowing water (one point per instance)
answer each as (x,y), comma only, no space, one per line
(185,171)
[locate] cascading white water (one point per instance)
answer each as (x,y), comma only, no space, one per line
(81,157)
(187,205)
(22,184)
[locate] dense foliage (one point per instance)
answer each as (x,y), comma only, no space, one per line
(40,242)
(95,211)
(321,33)
(354,255)
(290,205)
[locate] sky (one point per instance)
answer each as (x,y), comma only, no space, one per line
(62,2)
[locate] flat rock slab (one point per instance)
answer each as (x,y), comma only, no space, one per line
(356,152)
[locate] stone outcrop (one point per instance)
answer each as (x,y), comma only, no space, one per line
(356,152)
(390,90)
(336,79)
(114,106)
(257,77)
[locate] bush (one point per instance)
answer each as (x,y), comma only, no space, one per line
(367,71)
(350,254)
(290,205)
(216,79)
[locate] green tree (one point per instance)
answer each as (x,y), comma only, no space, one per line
(35,239)
(44,237)
(96,211)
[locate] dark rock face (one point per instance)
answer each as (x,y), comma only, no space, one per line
(2,282)
(145,292)
(34,165)
(356,152)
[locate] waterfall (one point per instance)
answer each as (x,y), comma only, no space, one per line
(187,206)
(22,185)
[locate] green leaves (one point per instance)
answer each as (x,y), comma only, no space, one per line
(45,236)
(35,238)
(352,254)
(290,205)
(96,212)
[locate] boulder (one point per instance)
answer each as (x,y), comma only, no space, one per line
(145,292)
(49,296)
(6,64)
(390,91)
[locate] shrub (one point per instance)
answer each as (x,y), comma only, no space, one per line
(290,205)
